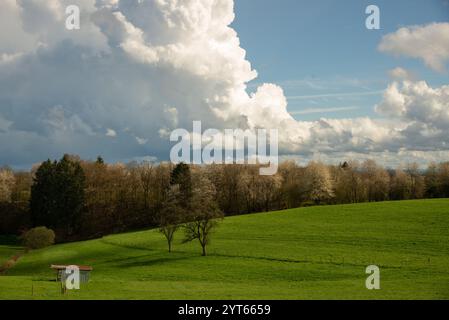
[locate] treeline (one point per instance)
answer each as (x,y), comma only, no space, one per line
(87,199)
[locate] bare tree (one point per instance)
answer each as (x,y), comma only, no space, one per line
(443,179)
(171,215)
(204,214)
(7,181)
(230,195)
(400,186)
(294,188)
(431,181)
(21,191)
(146,180)
(417,186)
(377,181)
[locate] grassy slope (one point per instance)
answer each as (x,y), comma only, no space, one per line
(8,249)
(318,252)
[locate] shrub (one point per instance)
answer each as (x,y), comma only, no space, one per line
(39,237)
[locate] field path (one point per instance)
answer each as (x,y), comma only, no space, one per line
(9,264)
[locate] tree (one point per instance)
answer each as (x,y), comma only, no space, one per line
(291,195)
(377,181)
(204,215)
(161,184)
(39,237)
(260,192)
(7,181)
(443,179)
(171,215)
(100,160)
(400,188)
(57,195)
(349,187)
(417,186)
(146,181)
(320,184)
(102,182)
(42,193)
(431,181)
(20,192)
(228,182)
(181,176)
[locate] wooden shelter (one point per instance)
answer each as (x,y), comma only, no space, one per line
(61,274)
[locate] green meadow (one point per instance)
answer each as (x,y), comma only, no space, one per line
(8,249)
(306,253)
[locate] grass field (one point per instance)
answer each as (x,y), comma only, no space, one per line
(307,253)
(8,248)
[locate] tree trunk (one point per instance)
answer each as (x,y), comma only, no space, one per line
(169,240)
(204,250)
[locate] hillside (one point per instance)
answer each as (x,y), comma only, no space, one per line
(306,253)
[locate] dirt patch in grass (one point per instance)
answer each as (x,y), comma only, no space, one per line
(9,264)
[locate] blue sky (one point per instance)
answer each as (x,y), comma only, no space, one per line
(313,48)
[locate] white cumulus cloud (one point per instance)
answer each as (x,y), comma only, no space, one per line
(147,67)
(429,43)
(417,102)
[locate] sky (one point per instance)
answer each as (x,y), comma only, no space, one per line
(137,70)
(321,48)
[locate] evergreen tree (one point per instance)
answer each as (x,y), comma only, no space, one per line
(181,176)
(57,196)
(100,160)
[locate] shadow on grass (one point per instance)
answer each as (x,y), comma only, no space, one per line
(125,246)
(43,279)
(157,256)
(152,262)
(319,260)
(260,258)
